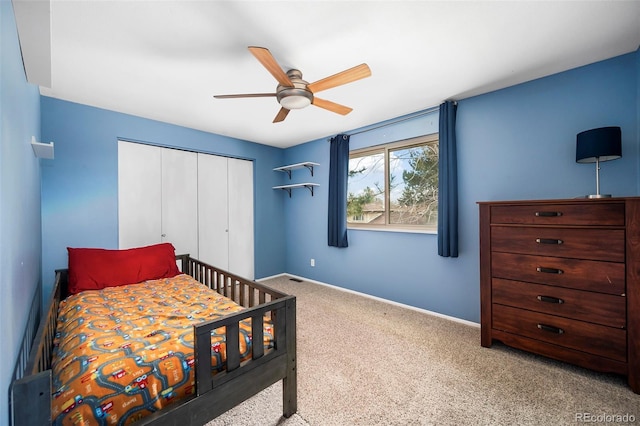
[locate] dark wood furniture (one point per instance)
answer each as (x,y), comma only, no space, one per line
(561,278)
(31,394)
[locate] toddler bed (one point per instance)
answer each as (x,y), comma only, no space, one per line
(181,348)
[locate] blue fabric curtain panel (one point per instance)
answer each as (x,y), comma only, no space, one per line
(338,173)
(448,183)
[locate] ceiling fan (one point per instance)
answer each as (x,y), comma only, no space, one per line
(295,93)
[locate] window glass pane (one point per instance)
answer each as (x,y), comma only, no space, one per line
(395,186)
(413,182)
(365,199)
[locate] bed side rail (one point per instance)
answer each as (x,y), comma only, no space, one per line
(40,358)
(239,381)
(277,310)
(241,290)
(31,393)
(30,330)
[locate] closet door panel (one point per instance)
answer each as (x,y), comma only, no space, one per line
(213,217)
(241,254)
(139,195)
(180,200)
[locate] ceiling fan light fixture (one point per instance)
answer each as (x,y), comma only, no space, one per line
(293,92)
(294,98)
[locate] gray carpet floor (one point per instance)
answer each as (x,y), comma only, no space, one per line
(366,362)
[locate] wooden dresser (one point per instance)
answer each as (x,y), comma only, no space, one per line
(561,278)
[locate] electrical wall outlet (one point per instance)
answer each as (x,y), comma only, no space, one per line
(313,262)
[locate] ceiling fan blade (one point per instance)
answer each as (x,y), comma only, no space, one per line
(248,95)
(282,114)
(347,76)
(331,106)
(269,62)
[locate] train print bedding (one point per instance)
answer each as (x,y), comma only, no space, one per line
(123,352)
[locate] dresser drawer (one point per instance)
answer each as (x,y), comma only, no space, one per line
(581,243)
(605,214)
(605,309)
(591,338)
(589,275)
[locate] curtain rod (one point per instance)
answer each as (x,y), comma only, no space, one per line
(395,121)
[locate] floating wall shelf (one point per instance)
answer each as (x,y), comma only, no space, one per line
(42,150)
(288,188)
(287,169)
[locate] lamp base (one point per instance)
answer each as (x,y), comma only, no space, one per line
(599,196)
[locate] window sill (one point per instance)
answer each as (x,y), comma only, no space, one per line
(392,229)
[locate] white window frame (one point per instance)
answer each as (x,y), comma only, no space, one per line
(385,149)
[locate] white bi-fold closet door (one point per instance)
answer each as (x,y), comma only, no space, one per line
(201,203)
(225,196)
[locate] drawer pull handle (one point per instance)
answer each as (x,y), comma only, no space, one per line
(549,270)
(548,241)
(550,329)
(548,214)
(549,299)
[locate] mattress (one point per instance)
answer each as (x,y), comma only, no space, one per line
(124,352)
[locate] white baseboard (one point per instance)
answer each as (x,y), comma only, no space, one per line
(414,308)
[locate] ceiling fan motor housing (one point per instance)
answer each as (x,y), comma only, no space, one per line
(295,97)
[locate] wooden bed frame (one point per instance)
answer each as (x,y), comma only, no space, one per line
(31,393)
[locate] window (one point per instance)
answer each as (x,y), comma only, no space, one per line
(394,186)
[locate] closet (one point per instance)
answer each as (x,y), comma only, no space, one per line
(201,203)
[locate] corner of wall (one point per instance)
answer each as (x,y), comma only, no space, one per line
(638,113)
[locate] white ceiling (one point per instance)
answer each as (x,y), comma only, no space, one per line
(164,60)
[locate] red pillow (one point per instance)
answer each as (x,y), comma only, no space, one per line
(95,269)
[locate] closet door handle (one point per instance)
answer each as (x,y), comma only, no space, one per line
(550,329)
(549,270)
(548,241)
(548,214)
(550,299)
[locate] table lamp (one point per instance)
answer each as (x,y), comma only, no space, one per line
(596,145)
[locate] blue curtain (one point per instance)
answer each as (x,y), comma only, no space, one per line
(338,171)
(448,183)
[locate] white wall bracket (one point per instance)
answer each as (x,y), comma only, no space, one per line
(287,169)
(288,188)
(42,150)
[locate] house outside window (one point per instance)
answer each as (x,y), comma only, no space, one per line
(394,186)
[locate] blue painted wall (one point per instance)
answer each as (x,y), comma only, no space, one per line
(80,187)
(516,143)
(20,240)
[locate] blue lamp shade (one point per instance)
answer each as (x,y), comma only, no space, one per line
(602,144)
